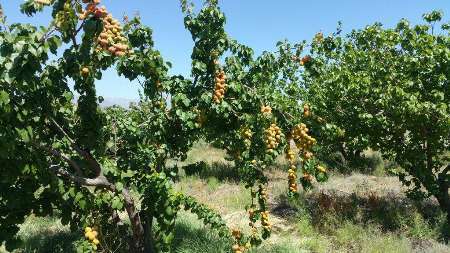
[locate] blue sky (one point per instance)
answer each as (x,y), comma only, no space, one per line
(256,23)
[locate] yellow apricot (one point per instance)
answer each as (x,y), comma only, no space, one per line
(91,236)
(84,71)
(88,235)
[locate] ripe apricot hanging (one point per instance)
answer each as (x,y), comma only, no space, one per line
(301,138)
(247,134)
(292,172)
(111,39)
(305,60)
(272,137)
(220,86)
(306,111)
(84,72)
(266,110)
(91,234)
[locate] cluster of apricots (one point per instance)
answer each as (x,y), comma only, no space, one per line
(236,248)
(305,60)
(91,234)
(247,134)
(273,137)
(251,216)
(306,111)
(220,86)
(111,39)
(266,110)
(263,196)
(302,139)
(304,143)
(292,172)
(92,9)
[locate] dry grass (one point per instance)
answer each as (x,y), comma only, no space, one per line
(356,234)
(362,184)
(202,151)
(224,197)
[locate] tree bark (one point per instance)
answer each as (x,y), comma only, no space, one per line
(443,184)
(137,244)
(444,199)
(148,235)
(444,203)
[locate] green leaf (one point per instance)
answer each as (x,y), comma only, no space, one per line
(23,134)
(119,186)
(4,98)
(127,174)
(116,203)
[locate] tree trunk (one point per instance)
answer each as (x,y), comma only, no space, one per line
(444,203)
(444,199)
(344,156)
(148,235)
(137,243)
(443,184)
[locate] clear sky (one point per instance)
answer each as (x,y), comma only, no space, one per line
(256,23)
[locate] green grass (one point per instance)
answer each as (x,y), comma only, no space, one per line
(417,227)
(191,236)
(283,246)
(212,183)
(45,234)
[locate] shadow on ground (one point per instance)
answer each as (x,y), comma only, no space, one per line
(220,170)
(60,242)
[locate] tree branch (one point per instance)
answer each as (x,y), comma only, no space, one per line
(87,155)
(100,181)
(47,35)
(140,83)
(79,28)
(74,41)
(62,156)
